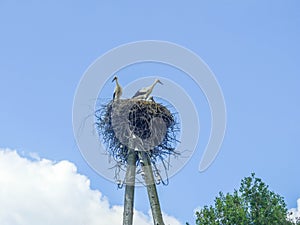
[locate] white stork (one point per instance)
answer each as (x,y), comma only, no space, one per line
(144,93)
(118,89)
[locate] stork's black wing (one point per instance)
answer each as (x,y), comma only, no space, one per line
(138,93)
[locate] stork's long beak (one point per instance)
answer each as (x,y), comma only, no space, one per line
(114,79)
(160,82)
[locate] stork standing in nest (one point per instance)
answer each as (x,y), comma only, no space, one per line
(118,89)
(144,93)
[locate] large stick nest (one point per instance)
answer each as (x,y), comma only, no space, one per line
(139,125)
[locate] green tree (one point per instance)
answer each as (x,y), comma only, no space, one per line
(252,204)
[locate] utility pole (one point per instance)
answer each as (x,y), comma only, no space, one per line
(151,189)
(129,188)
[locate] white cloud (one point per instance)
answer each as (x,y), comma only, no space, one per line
(294,213)
(34,192)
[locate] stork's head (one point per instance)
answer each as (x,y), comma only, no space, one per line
(115,78)
(158,81)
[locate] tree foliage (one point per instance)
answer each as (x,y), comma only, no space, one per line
(252,204)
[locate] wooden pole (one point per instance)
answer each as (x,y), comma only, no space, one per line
(151,189)
(129,188)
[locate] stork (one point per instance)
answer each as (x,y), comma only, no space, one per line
(144,93)
(118,89)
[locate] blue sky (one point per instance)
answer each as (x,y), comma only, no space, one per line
(251,46)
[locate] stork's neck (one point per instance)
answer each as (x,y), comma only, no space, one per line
(152,86)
